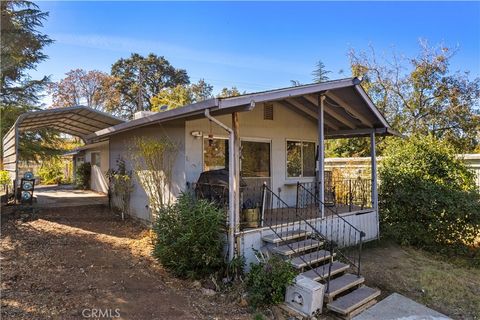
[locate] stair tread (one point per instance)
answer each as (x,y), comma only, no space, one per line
(297,247)
(322,271)
(353,300)
(342,283)
(285,235)
(310,258)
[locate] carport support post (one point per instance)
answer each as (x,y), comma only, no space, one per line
(374,178)
(321,154)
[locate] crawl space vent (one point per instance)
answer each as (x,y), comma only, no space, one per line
(268,111)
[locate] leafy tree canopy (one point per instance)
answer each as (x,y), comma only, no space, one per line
(21,50)
(232,92)
(94,89)
(181,95)
(420,95)
(141,78)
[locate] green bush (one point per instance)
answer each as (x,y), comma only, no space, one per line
(51,171)
(427,196)
(190,237)
(4,178)
(268,281)
(83,175)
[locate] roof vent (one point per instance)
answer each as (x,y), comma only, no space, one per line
(268,111)
(142,114)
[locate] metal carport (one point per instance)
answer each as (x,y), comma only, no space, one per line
(79,121)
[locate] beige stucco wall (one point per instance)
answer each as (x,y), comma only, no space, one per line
(121,146)
(286,125)
(98,181)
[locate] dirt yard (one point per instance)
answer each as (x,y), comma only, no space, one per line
(430,279)
(74,263)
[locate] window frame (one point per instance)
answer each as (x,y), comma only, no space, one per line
(203,147)
(97,156)
(264,140)
(302,141)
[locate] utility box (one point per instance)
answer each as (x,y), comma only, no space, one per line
(305,295)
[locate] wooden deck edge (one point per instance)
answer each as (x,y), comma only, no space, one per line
(373,296)
(340,290)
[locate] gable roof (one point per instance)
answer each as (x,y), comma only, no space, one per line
(348,107)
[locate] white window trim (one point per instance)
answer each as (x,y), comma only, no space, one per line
(301,154)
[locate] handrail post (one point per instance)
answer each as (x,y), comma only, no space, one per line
(264,190)
(362,234)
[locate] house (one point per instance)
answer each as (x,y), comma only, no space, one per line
(274,142)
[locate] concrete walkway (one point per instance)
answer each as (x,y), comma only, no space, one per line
(398,307)
(66,196)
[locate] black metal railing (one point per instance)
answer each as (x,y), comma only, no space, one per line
(345,195)
(283,219)
(347,238)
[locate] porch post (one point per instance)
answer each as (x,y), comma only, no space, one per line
(321,155)
(374,178)
(236,172)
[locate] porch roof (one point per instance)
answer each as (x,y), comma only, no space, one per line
(349,112)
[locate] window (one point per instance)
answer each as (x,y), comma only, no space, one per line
(255,159)
(95,161)
(300,159)
(215,154)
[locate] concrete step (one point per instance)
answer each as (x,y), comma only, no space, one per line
(354,302)
(341,284)
(322,271)
(310,259)
(297,247)
(285,236)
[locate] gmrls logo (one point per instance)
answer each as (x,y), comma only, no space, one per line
(101,313)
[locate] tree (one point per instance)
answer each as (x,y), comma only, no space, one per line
(94,89)
(201,90)
(141,78)
(320,74)
(172,98)
(21,50)
(421,95)
(181,95)
(226,93)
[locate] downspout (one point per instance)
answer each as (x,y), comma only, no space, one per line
(232,185)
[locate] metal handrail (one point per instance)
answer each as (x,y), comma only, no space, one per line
(326,242)
(352,227)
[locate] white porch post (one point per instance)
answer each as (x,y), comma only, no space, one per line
(236,172)
(374,179)
(321,155)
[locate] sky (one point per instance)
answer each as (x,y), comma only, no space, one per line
(254,46)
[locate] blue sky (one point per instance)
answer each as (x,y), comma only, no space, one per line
(253,45)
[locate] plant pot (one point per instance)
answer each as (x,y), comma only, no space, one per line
(251,218)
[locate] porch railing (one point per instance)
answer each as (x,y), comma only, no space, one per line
(344,194)
(347,239)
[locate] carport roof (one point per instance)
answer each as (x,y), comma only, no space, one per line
(78,121)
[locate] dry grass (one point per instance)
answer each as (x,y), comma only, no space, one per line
(429,279)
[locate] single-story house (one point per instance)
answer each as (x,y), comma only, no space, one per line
(274,138)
